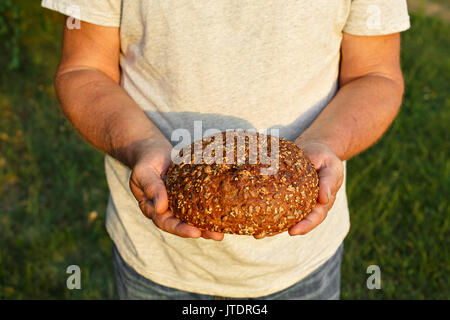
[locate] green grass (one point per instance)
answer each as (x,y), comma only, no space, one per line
(51,181)
(399,189)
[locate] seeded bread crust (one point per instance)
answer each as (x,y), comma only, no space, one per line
(237,198)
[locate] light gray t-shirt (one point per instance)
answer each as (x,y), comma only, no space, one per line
(229,64)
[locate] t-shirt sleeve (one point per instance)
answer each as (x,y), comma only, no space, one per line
(101,12)
(377,17)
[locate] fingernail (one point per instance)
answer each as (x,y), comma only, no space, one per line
(328,194)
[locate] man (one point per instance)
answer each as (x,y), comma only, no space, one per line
(325,73)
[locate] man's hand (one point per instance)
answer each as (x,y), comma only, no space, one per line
(147,183)
(331,174)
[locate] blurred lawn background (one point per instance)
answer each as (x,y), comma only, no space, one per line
(53,191)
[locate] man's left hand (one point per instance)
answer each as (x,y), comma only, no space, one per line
(331,174)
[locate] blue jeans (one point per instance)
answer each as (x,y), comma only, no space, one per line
(321,284)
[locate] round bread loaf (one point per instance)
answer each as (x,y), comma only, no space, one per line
(224,183)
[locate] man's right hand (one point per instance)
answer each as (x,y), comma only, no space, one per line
(147,183)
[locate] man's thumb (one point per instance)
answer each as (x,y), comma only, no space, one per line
(155,190)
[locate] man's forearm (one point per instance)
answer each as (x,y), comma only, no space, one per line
(105,114)
(359,114)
